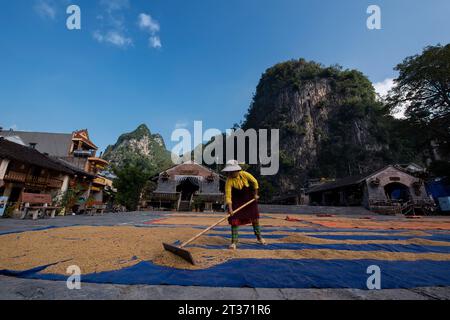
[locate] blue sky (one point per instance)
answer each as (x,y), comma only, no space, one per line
(167,63)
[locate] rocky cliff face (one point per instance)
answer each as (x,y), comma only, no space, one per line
(330,122)
(142,145)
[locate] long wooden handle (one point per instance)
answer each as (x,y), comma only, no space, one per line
(215,224)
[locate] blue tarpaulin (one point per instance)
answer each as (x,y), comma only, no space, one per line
(438,189)
(413,248)
(2,233)
(289,273)
(277,273)
(435,237)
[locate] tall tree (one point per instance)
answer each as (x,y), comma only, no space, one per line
(423,89)
(131,182)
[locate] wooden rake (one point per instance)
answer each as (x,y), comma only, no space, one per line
(185,254)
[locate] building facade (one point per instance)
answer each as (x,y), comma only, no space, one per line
(385,190)
(73,150)
(26,170)
(188,186)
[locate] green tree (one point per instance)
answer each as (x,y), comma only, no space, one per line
(266,190)
(423,88)
(440,168)
(131,182)
(69,198)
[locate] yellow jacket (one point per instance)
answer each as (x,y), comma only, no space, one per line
(243,179)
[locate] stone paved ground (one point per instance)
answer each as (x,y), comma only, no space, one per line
(18,289)
(15,288)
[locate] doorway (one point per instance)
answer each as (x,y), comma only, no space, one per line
(187,187)
(15,194)
(397,192)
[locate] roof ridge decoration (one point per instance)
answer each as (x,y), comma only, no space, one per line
(83,135)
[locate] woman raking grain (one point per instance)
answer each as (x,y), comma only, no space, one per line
(240,188)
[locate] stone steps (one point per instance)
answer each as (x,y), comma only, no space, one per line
(185,206)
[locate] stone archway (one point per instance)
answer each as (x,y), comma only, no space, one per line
(397,191)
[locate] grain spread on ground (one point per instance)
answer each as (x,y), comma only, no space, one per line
(209,220)
(388,223)
(101,248)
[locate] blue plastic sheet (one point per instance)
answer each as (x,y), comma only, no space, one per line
(438,189)
(436,237)
(277,273)
(286,273)
(292,229)
(248,236)
(413,248)
(26,230)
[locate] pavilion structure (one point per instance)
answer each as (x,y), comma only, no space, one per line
(188,186)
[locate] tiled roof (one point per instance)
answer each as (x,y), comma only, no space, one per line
(348,181)
(17,152)
(54,144)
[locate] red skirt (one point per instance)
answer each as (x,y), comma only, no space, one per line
(248,214)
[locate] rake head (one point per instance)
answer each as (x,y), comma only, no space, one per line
(182,253)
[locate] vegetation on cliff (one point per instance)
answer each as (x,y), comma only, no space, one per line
(331,123)
(134,158)
(141,146)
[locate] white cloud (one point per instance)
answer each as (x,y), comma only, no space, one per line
(155,42)
(382,89)
(112,20)
(118,39)
(97,35)
(146,22)
(152,27)
(115,5)
(45,9)
(113,37)
(113,17)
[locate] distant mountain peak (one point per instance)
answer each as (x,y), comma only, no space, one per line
(143,128)
(139,144)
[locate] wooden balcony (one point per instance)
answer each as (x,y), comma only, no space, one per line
(13,176)
(54,183)
(36,180)
(98,163)
(100,181)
